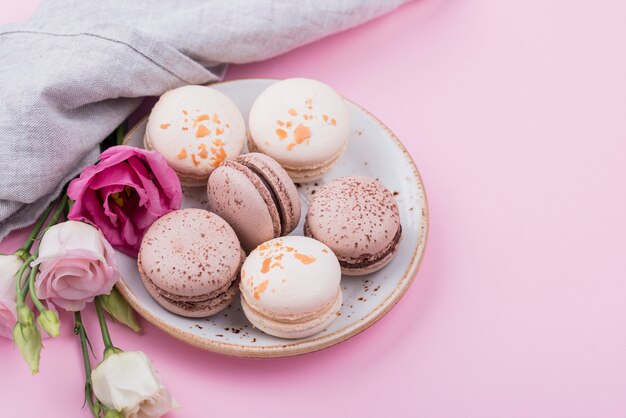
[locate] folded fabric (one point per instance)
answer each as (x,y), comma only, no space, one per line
(78,68)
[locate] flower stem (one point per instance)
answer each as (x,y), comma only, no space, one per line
(31,288)
(59,211)
(18,280)
(79,329)
(106,338)
(24,250)
(21,294)
(119,133)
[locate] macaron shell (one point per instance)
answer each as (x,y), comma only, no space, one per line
(193,309)
(195,128)
(291,275)
(282,187)
(190,253)
(186,179)
(306,174)
(235,197)
(355,216)
(299,122)
(292,330)
(348,270)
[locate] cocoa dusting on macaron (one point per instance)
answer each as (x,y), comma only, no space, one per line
(189,262)
(358,218)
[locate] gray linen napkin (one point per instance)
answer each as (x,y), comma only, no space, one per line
(78,68)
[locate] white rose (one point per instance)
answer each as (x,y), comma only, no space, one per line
(127,383)
(9,265)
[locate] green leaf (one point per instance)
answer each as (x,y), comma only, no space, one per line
(120,310)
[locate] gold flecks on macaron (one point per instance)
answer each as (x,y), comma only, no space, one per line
(202,131)
(301,134)
(218,153)
(182,154)
(262,287)
(281,133)
(203,153)
(195,161)
(165,125)
(201,118)
(266,265)
(304,259)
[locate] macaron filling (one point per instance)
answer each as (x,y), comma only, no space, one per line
(288,318)
(365,260)
(210,301)
(283,212)
(198,302)
(269,196)
(297,328)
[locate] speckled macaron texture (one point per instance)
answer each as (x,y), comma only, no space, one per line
(358,218)
(196,129)
(290,287)
(256,197)
(189,262)
(301,123)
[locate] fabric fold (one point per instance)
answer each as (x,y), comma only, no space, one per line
(72,73)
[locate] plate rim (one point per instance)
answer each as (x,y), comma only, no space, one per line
(325,341)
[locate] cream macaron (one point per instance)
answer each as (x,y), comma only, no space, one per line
(290,287)
(301,123)
(196,129)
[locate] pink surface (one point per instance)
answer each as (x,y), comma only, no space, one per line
(514,113)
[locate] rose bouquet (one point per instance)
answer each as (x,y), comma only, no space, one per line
(68,265)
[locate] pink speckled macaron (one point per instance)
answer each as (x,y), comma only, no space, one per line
(255,195)
(358,218)
(189,262)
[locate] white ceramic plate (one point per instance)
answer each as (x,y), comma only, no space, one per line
(373,151)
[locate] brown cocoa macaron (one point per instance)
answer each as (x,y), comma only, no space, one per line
(189,262)
(358,218)
(255,195)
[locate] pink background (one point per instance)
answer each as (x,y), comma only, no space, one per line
(514,113)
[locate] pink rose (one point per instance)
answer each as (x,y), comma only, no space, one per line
(76,265)
(124,194)
(9,265)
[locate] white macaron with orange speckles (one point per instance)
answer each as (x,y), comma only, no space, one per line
(290,287)
(301,123)
(196,129)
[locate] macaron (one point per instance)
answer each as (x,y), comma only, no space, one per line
(189,262)
(196,129)
(290,287)
(358,218)
(303,124)
(256,197)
